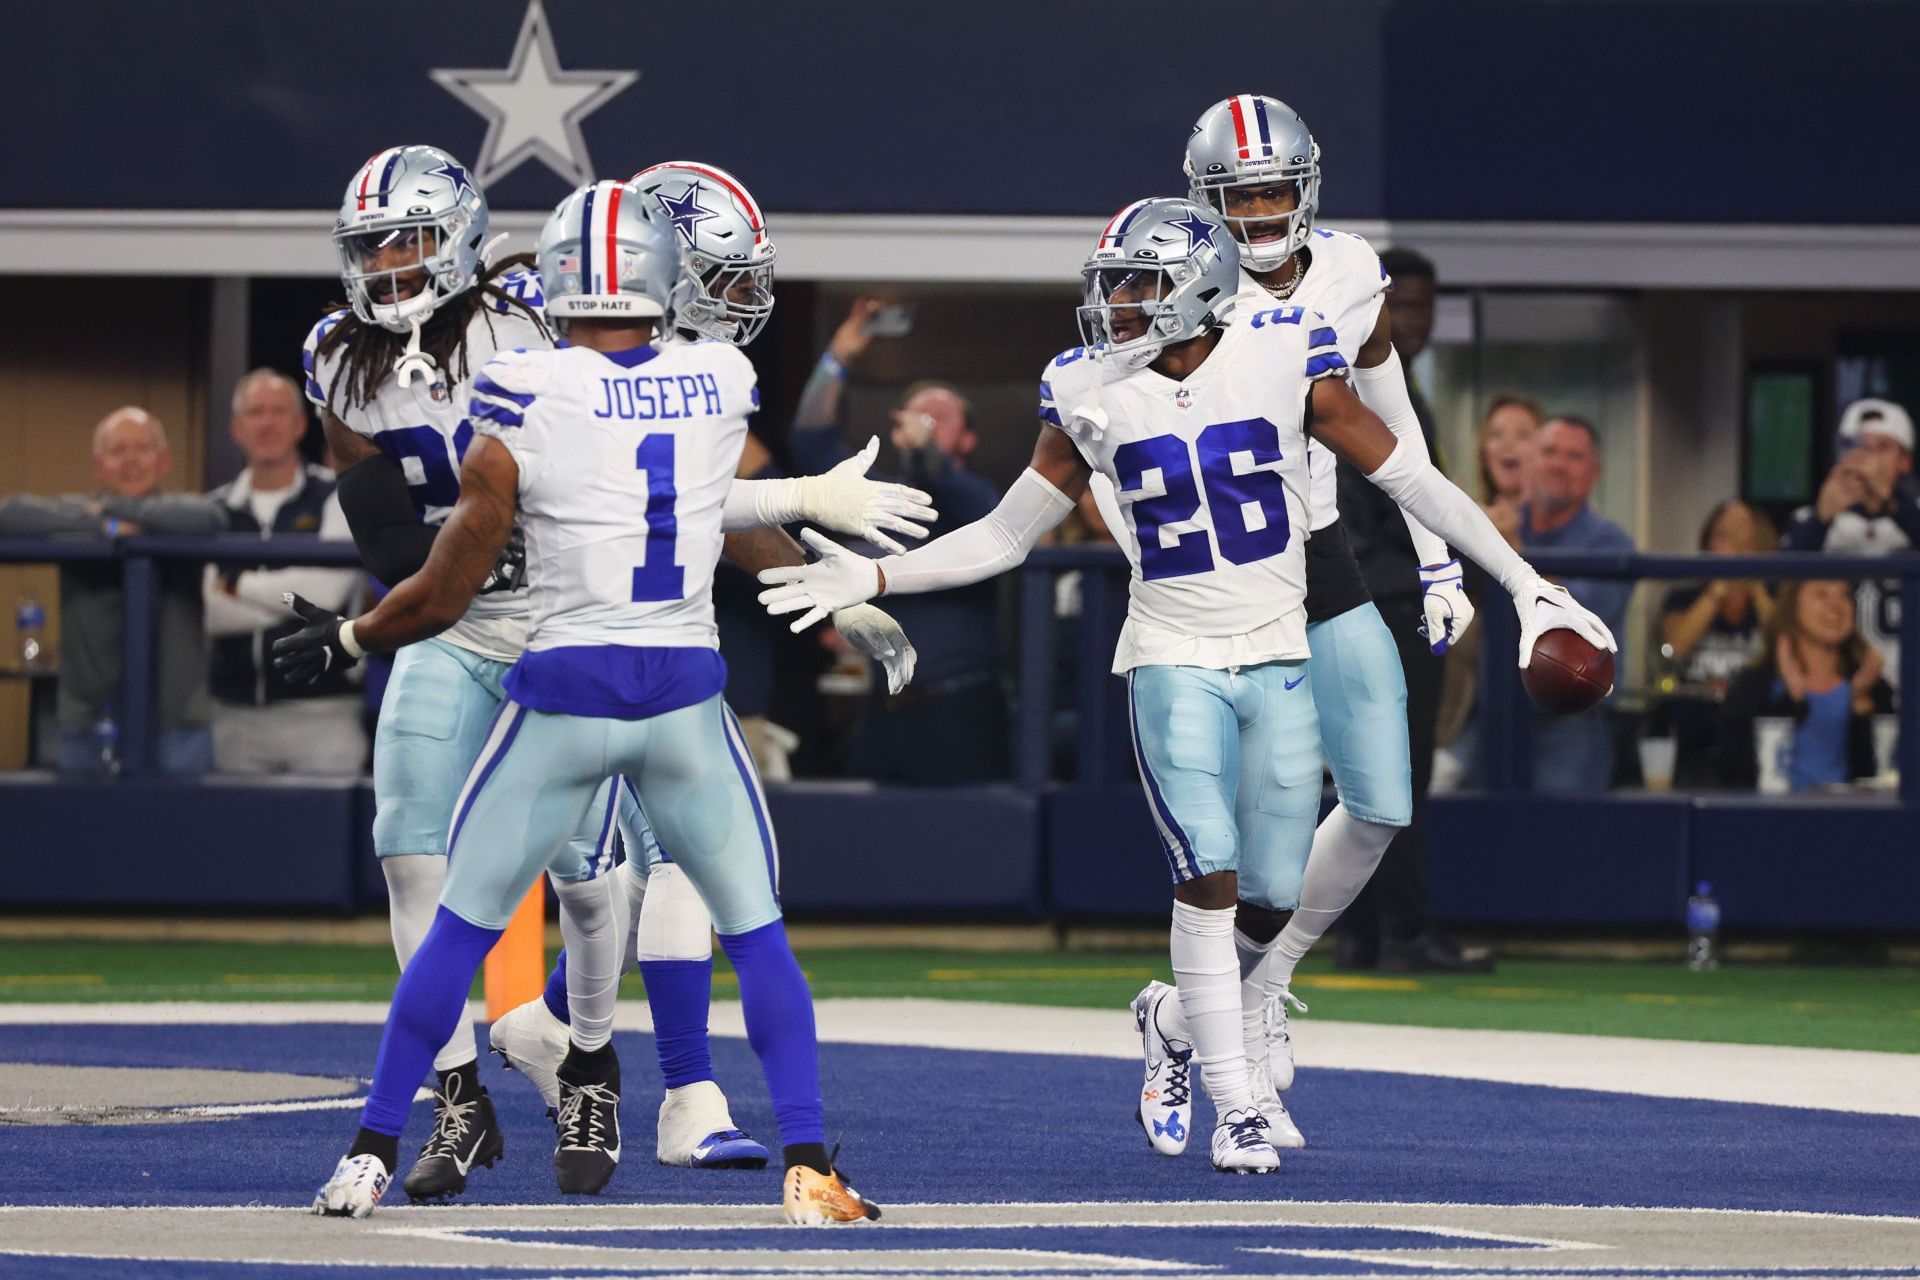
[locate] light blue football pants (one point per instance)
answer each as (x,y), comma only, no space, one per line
(539,779)
(434,718)
(1231,765)
(1360,692)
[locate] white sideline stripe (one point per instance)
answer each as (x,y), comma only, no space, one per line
(1849,1080)
(278,1108)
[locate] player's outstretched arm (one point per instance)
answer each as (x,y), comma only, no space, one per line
(1038,500)
(872,631)
(843,500)
(1381,384)
(1403,471)
(464,554)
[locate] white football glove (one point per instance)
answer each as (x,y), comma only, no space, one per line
(1444,604)
(1545,606)
(845,501)
(838,579)
(874,632)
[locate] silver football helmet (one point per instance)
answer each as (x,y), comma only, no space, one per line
(412,219)
(1251,140)
(723,239)
(607,255)
(1164,270)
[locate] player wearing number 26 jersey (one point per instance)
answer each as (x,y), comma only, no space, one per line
(1197,410)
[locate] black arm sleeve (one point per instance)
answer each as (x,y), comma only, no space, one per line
(392,541)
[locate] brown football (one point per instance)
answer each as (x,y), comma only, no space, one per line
(1567,673)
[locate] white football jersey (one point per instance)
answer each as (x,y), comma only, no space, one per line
(1345,283)
(625,461)
(425,429)
(1210,474)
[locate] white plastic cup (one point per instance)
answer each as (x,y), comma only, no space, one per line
(1886,739)
(1656,762)
(1773,752)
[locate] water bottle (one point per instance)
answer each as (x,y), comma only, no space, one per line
(106,740)
(1703,929)
(30,621)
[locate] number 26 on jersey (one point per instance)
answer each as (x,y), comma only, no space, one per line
(1248,505)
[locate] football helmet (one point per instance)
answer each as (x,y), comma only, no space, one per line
(606,255)
(723,240)
(1167,262)
(409,212)
(1247,140)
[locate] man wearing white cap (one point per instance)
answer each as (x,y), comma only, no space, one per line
(1864,509)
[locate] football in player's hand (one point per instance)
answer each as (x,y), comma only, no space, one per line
(1568,673)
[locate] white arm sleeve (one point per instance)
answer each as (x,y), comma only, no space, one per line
(1383,389)
(1412,481)
(758,504)
(990,545)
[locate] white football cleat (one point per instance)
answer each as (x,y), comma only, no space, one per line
(1270,1045)
(534,1043)
(355,1187)
(1240,1143)
(1165,1109)
(1281,1130)
(696,1131)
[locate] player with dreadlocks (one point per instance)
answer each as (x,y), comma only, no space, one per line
(394,374)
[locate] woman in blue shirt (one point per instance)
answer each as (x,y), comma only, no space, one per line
(1822,674)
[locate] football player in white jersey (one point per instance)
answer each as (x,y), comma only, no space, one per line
(727,260)
(411,238)
(616,457)
(1253,161)
(1199,425)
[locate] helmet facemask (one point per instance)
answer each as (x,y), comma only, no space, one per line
(1260,249)
(728,300)
(1141,300)
(438,269)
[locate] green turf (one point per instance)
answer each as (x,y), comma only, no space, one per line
(1830,1007)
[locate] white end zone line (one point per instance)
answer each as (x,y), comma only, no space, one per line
(1849,1080)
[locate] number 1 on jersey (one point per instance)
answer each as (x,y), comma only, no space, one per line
(658,577)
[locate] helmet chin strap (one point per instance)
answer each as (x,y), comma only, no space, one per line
(413,362)
(486,250)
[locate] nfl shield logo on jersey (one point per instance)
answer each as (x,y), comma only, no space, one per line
(1183,398)
(438,390)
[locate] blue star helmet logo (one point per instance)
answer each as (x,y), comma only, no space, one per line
(686,211)
(1199,230)
(457,176)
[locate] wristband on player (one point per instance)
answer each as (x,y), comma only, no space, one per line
(831,366)
(348,643)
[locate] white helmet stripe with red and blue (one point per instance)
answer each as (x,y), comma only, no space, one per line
(376,178)
(1251,130)
(600,245)
(1122,222)
(604,253)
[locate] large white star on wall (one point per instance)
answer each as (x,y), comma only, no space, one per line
(533,109)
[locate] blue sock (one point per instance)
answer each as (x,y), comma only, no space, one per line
(427,1005)
(779,1011)
(556,993)
(679,992)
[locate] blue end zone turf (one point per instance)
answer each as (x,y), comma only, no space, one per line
(925,1125)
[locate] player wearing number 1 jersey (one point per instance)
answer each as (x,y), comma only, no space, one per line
(617,457)
(1195,401)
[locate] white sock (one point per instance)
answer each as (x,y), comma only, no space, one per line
(633,883)
(593,920)
(1255,959)
(1209,976)
(674,924)
(414,881)
(1346,849)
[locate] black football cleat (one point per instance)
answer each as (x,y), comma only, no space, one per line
(465,1134)
(586,1149)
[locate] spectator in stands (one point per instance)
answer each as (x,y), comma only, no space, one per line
(1821,673)
(261,723)
(1507,449)
(130,460)
(1575,753)
(950,725)
(1709,634)
(1865,507)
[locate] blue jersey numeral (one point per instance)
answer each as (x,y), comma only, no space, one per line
(659,578)
(1228,496)
(439,482)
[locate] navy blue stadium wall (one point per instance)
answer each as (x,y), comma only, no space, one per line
(1000,852)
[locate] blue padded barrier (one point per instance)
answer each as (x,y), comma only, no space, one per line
(1811,863)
